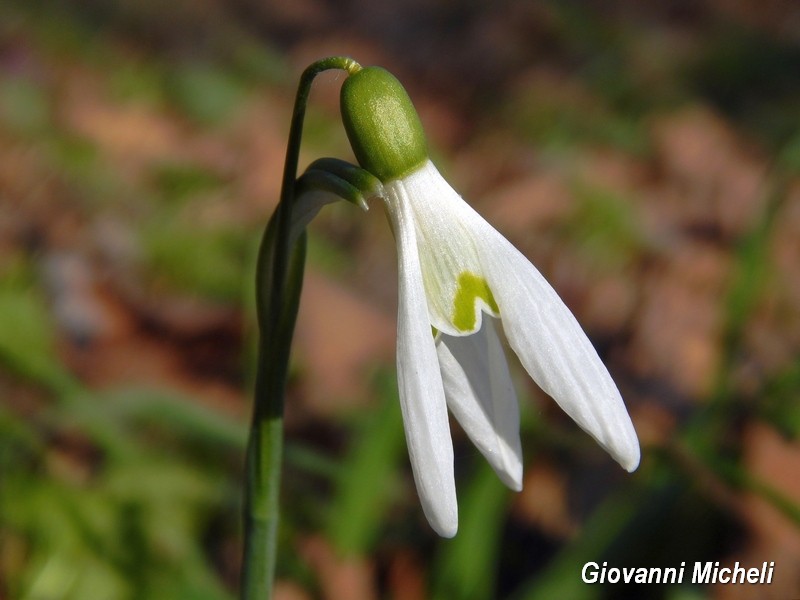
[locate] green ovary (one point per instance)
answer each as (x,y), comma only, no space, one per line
(470,288)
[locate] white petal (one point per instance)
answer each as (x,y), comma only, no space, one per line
(419,380)
(554,349)
(542,331)
(447,248)
(480,394)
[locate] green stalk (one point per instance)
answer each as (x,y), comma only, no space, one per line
(279,277)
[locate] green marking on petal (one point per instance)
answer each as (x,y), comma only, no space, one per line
(470,288)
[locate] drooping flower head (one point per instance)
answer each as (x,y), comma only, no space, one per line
(459,280)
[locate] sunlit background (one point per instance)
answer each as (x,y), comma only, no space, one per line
(646,156)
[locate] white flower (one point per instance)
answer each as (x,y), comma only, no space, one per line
(463,278)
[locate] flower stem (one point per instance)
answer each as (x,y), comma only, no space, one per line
(279,277)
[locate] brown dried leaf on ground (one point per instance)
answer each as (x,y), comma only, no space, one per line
(543,501)
(340,337)
(340,578)
(718,180)
(655,425)
(406,577)
(783,284)
(112,336)
(258,149)
(677,335)
(288,590)
(613,170)
(610,303)
(776,462)
(131,136)
(134,137)
(35,204)
(526,205)
(771,16)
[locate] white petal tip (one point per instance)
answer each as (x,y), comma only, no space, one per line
(632,465)
(629,460)
(446,529)
(514,486)
(511,479)
(440,507)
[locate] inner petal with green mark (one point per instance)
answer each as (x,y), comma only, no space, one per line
(471,287)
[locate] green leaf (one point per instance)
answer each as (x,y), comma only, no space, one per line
(367,482)
(27,341)
(207,94)
(466,567)
(207,260)
(24,106)
(180,415)
(562,578)
(779,403)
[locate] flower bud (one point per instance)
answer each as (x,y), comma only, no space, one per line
(382,125)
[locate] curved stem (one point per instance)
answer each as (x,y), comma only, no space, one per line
(284,210)
(279,276)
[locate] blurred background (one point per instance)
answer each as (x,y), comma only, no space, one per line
(645,156)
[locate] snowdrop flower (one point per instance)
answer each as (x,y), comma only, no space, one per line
(459,281)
